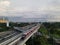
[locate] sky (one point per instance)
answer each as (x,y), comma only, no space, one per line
(30,8)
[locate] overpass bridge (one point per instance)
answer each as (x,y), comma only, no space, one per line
(16,36)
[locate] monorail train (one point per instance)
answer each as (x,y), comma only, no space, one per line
(27,33)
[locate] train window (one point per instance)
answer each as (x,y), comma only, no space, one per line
(23,35)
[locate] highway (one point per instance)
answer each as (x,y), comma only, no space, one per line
(8,38)
(4,33)
(15,35)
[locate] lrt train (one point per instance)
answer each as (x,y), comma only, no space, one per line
(27,33)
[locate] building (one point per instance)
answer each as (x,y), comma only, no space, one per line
(4,20)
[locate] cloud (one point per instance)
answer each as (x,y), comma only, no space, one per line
(30,8)
(49,8)
(2,10)
(21,9)
(4,5)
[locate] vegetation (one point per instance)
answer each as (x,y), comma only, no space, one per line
(53,28)
(43,30)
(49,29)
(2,25)
(18,24)
(4,28)
(38,39)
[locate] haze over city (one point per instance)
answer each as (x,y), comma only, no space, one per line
(31,8)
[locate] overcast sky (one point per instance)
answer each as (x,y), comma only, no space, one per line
(29,8)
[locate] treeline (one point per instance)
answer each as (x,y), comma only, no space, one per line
(39,39)
(3,26)
(47,29)
(53,28)
(18,24)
